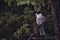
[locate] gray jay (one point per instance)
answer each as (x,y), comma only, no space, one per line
(40,19)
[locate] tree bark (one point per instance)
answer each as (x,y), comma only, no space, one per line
(55,13)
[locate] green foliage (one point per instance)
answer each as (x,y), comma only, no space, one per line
(8,1)
(3,39)
(22,23)
(23,29)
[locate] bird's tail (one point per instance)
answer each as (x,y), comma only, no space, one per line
(41,30)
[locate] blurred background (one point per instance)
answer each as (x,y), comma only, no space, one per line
(17,19)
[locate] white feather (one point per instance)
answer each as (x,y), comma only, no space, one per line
(40,19)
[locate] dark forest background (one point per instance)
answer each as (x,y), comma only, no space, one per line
(17,18)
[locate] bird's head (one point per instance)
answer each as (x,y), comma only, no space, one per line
(39,15)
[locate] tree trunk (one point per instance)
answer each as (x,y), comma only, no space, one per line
(55,15)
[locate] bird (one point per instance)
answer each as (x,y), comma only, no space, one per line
(40,19)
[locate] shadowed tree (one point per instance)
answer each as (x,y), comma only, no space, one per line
(55,9)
